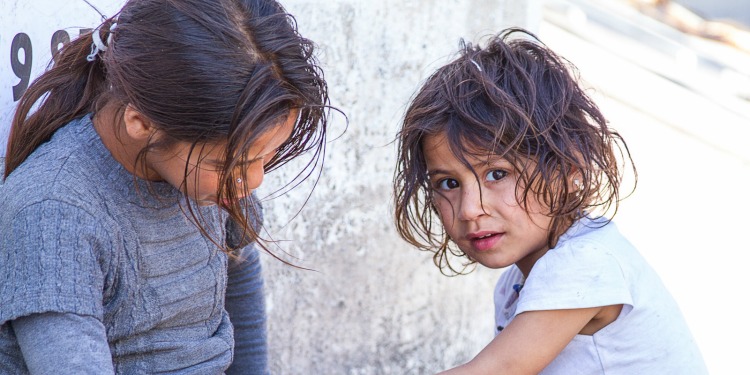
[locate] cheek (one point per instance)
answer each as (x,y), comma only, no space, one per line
(536,219)
(535,207)
(203,184)
(444,210)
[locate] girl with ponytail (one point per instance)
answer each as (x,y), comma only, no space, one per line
(128,225)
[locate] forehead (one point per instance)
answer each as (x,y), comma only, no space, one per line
(275,136)
(265,143)
(438,153)
(438,148)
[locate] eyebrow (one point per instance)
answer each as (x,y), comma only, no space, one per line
(241,163)
(491,160)
(434,172)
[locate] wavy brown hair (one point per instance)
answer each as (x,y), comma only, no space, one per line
(516,99)
(223,71)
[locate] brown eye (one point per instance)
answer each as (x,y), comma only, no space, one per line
(447,184)
(496,175)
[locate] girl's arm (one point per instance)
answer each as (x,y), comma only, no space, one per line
(533,339)
(57,343)
(245,303)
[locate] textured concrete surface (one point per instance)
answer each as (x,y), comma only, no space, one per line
(373,305)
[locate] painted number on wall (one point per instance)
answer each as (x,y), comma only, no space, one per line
(21,57)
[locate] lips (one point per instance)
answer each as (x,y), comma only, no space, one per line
(484,241)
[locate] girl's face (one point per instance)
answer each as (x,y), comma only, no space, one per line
(492,229)
(204,164)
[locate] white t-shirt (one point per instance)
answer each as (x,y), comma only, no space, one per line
(594,265)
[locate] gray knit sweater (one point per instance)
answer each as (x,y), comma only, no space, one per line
(78,235)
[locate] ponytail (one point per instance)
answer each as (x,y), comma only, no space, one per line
(223,71)
(68,90)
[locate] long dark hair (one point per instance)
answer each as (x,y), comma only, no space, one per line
(517,99)
(200,71)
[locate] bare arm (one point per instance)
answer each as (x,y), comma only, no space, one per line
(534,338)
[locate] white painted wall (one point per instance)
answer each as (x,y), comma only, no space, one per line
(373,305)
(27,32)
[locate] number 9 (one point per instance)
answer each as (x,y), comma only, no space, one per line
(22,69)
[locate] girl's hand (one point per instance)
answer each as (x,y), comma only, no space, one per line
(534,338)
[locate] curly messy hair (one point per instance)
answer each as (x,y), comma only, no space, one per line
(518,100)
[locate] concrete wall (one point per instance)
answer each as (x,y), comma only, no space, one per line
(372,305)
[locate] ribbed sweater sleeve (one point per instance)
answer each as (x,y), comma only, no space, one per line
(245,303)
(54,261)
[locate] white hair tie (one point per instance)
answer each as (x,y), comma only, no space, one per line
(476,64)
(98,45)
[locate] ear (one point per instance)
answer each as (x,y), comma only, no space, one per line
(137,126)
(575,184)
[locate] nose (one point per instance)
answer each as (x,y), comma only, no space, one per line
(254,176)
(470,206)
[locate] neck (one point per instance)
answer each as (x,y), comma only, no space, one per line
(109,124)
(526,264)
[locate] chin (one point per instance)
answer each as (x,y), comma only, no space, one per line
(493,264)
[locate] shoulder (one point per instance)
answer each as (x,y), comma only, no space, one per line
(57,258)
(58,170)
(51,235)
(587,245)
(586,269)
